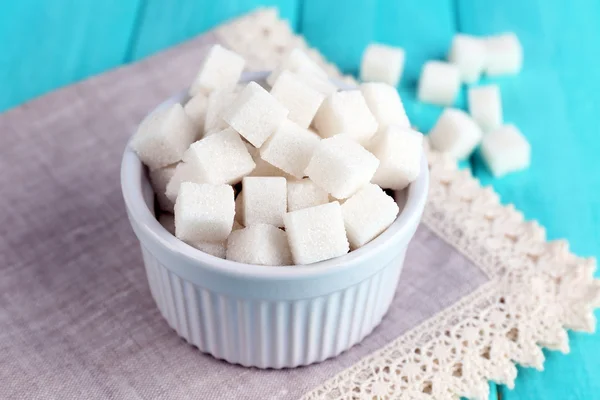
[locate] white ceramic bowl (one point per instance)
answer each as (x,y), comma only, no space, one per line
(265,316)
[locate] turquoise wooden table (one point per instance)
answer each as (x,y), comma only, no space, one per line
(555,100)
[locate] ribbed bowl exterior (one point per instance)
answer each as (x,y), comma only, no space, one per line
(269,333)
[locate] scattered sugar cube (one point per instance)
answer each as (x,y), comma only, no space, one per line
(341,166)
(455,133)
(204,212)
(321,84)
(265,200)
(255,114)
(290,148)
(301,100)
(439,83)
(316,233)
(368,213)
(468,53)
(217,249)
(183,173)
(382,63)
(504,55)
(299,62)
(385,104)
(505,150)
(346,112)
(163,137)
(303,194)
(159,179)
(216,103)
(485,106)
(220,158)
(168,222)
(196,108)
(259,244)
(221,69)
(399,151)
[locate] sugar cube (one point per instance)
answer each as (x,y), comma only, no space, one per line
(385,104)
(217,249)
(382,63)
(216,103)
(468,53)
(301,100)
(399,151)
(163,137)
(316,233)
(204,212)
(220,158)
(265,200)
(255,114)
(485,106)
(221,68)
(195,108)
(321,84)
(439,83)
(263,168)
(346,112)
(183,173)
(299,62)
(290,148)
(368,213)
(505,150)
(303,194)
(168,222)
(341,166)
(159,179)
(455,133)
(504,54)
(259,244)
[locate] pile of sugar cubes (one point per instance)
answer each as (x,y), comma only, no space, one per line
(457,133)
(286,172)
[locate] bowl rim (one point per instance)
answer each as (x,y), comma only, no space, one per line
(133,174)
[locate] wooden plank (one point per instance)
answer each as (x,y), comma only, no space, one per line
(163,24)
(46,45)
(554,102)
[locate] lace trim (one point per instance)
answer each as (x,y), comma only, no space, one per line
(537,289)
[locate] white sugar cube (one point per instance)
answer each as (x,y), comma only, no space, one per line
(468,53)
(346,112)
(220,158)
(455,133)
(320,83)
(505,150)
(221,68)
(290,148)
(159,179)
(485,106)
(504,55)
(216,103)
(303,194)
(196,108)
(382,63)
(163,137)
(168,222)
(341,166)
(439,83)
(368,213)
(316,233)
(299,62)
(183,173)
(259,244)
(265,200)
(263,168)
(399,151)
(255,114)
(217,249)
(385,104)
(301,100)
(204,212)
